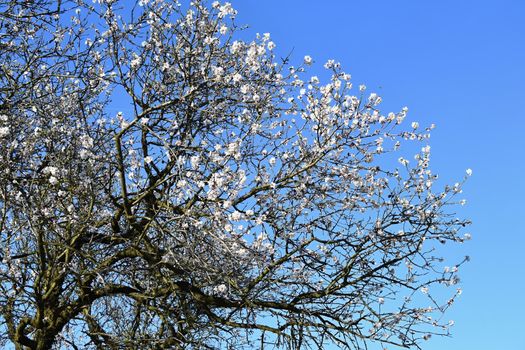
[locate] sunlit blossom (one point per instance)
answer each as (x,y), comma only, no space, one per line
(235,180)
(308,60)
(4,131)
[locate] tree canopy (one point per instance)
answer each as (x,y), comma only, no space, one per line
(167,185)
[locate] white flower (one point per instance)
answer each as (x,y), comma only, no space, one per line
(84,154)
(148,159)
(374,99)
(225,10)
(469,172)
(195,162)
(467,236)
(237,78)
(424,290)
(245,89)
(217,71)
(53,180)
(233,148)
(3,118)
(308,60)
(415,125)
(223,30)
(235,216)
(249,212)
(272,161)
(381,300)
(403,161)
(271,45)
(235,47)
(329,64)
(50,170)
(136,61)
(86,141)
(221,288)
(4,131)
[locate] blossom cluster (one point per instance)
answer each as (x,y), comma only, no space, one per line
(231,187)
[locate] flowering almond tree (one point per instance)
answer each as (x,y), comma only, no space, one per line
(233,203)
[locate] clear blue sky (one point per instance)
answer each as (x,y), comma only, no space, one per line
(461,65)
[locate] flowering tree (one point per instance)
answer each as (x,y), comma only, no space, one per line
(233,202)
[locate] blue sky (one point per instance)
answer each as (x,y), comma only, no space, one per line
(460,65)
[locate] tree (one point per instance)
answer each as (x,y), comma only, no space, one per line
(233,203)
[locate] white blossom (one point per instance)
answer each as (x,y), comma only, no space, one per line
(53,180)
(221,289)
(136,61)
(308,60)
(234,180)
(4,131)
(86,141)
(237,77)
(403,161)
(235,47)
(51,170)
